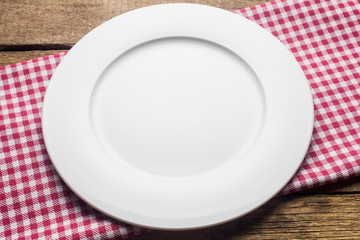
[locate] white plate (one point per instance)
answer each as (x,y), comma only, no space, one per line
(177,116)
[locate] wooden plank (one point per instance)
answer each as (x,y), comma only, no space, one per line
(288,217)
(7,58)
(65,21)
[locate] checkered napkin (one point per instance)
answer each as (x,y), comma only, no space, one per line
(323,36)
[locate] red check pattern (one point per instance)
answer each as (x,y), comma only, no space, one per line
(324,37)
(34,202)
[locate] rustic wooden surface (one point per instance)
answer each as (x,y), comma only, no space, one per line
(30,29)
(9,57)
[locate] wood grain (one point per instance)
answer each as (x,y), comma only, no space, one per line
(288,217)
(7,58)
(66,21)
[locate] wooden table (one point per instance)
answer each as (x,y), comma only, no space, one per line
(30,29)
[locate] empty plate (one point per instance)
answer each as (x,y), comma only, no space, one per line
(177,116)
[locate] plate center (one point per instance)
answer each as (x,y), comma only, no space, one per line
(177,107)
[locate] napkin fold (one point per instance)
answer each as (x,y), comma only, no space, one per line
(323,36)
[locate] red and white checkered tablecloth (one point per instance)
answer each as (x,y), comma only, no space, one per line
(323,35)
